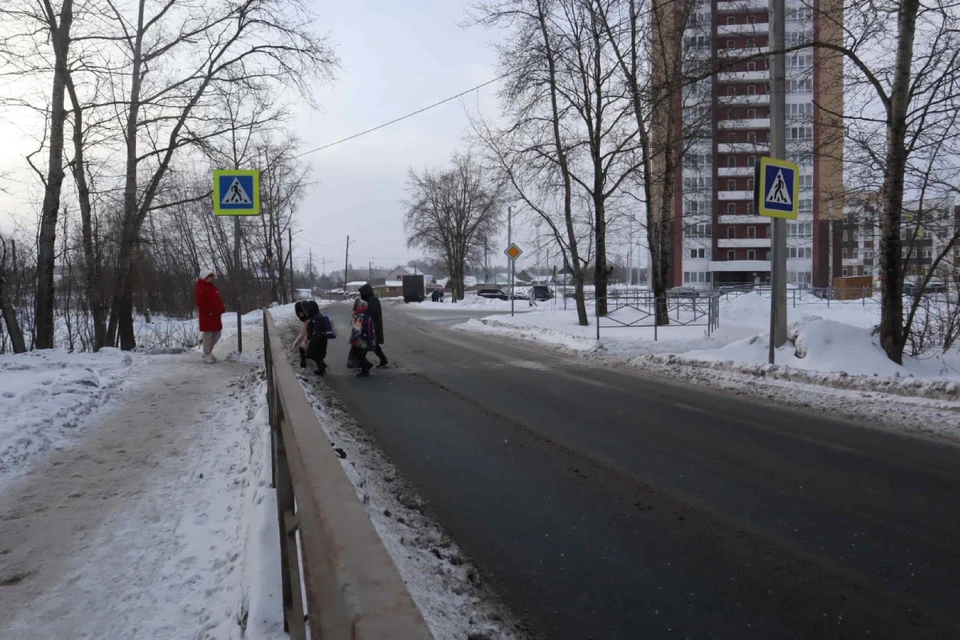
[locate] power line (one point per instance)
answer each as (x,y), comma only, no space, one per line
(409,115)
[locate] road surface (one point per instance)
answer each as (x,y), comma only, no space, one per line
(602,504)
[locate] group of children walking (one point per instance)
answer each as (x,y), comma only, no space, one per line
(366,333)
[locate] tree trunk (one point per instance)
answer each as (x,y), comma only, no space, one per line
(90,267)
(46,241)
(892,335)
(121,317)
(9,313)
(600,276)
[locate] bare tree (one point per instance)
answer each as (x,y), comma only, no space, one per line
(7,311)
(255,42)
(451,214)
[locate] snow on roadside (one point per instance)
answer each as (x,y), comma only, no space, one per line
(540,335)
(449,591)
(44,396)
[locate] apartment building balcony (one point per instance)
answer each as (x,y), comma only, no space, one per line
(743,243)
(743,147)
(743,220)
(746,123)
(744,76)
(760,98)
(756,29)
(746,53)
(732,172)
(735,195)
(742,6)
(739,265)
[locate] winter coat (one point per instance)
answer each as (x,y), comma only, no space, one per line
(362,334)
(210,306)
(376,311)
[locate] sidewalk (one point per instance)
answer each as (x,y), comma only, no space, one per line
(140,527)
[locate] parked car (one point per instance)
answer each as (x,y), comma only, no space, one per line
(542,293)
(682,292)
(910,288)
(492,294)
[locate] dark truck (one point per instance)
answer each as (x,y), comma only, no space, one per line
(413,289)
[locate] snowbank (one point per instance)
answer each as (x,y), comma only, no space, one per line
(829,345)
(44,395)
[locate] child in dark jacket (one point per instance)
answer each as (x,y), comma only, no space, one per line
(312,340)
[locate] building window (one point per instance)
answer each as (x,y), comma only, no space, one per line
(751,114)
(731,232)
(927,253)
(845,253)
(844,273)
(751,90)
(751,20)
(698,230)
(731,20)
(806,182)
(686,276)
(752,137)
(751,66)
(751,161)
(751,254)
(846,236)
(751,44)
(731,91)
(731,44)
(749,184)
(751,232)
(731,209)
(698,253)
(731,254)
(731,161)
(868,271)
(749,208)
(731,185)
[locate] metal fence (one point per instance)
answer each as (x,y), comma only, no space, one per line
(812,295)
(639,309)
(350,585)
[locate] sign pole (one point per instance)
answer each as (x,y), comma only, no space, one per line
(236,285)
(513,262)
(778,149)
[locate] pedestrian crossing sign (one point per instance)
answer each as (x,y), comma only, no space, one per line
(776,186)
(236,193)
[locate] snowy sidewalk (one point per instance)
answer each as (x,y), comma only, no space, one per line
(138,528)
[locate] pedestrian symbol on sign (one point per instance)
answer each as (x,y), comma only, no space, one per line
(236,194)
(778,192)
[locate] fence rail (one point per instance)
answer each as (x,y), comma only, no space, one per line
(351,587)
(639,309)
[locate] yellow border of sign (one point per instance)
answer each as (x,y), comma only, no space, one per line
(760,183)
(255,211)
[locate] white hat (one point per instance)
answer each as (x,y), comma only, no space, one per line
(207,272)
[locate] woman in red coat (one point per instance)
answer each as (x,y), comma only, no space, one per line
(210,307)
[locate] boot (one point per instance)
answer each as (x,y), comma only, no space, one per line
(321,369)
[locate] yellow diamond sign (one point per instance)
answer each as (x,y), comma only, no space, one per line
(513,251)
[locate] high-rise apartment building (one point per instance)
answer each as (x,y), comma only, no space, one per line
(717,237)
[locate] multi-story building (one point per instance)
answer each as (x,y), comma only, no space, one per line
(929,229)
(717,237)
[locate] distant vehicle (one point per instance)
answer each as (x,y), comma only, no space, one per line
(542,293)
(492,294)
(413,289)
(682,292)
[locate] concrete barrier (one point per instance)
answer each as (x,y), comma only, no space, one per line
(352,588)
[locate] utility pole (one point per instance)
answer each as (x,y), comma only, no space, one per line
(311,271)
(370,271)
(293,287)
(513,263)
(778,149)
(346,268)
(236,284)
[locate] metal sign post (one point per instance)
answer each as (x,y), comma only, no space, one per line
(236,193)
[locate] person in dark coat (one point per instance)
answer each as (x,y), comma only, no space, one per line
(376,312)
(312,340)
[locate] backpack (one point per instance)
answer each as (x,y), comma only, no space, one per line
(368,331)
(323,325)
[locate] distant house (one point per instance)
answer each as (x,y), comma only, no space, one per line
(390,289)
(354,287)
(397,274)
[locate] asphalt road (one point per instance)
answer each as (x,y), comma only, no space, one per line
(602,504)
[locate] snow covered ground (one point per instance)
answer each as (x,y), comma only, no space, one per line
(446,588)
(829,346)
(151,515)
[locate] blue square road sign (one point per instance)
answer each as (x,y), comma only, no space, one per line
(236,193)
(776,186)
